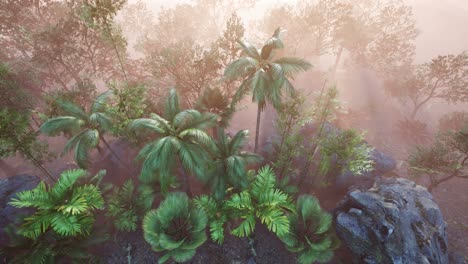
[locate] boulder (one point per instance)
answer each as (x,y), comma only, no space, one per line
(8,189)
(395,221)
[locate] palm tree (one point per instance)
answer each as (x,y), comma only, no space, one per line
(87,127)
(264,76)
(181,136)
(229,163)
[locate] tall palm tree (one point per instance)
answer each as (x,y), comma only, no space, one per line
(181,137)
(228,168)
(86,127)
(263,75)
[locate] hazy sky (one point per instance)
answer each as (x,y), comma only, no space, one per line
(443,24)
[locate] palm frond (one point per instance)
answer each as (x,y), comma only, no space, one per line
(292,66)
(72,109)
(240,68)
(249,49)
(101,101)
(172,105)
(56,125)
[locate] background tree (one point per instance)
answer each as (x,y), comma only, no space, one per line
(445,159)
(264,77)
(17,133)
(445,77)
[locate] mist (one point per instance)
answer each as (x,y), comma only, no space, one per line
(322,99)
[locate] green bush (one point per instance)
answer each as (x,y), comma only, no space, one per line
(311,234)
(176,227)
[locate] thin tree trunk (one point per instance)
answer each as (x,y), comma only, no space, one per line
(117,52)
(186,183)
(115,155)
(39,165)
(337,62)
(257,130)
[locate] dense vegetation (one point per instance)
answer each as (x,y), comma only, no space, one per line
(176,106)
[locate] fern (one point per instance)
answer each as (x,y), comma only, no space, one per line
(65,208)
(124,206)
(261,201)
(176,227)
(311,234)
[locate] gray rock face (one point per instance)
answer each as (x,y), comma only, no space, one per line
(8,189)
(395,221)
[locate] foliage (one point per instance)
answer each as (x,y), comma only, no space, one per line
(444,159)
(264,76)
(228,168)
(260,201)
(349,149)
(87,127)
(82,93)
(50,248)
(16,132)
(216,102)
(127,103)
(444,77)
(180,136)
(453,121)
(65,208)
(125,205)
(176,227)
(291,118)
(311,232)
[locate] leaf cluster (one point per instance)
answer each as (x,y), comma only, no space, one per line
(177,227)
(311,233)
(66,208)
(261,201)
(125,205)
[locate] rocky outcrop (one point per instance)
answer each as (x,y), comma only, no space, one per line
(395,221)
(8,189)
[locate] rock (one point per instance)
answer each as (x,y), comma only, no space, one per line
(455,258)
(395,221)
(8,189)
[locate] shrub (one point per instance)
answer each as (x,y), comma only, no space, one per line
(311,234)
(176,227)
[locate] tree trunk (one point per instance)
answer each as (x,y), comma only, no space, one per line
(257,130)
(117,52)
(115,155)
(186,183)
(337,61)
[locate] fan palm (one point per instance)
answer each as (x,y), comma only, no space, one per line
(311,233)
(229,163)
(263,75)
(181,136)
(176,227)
(87,127)
(66,208)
